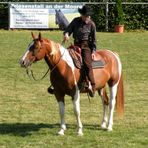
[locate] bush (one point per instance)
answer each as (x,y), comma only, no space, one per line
(119,20)
(134,16)
(4,16)
(99,16)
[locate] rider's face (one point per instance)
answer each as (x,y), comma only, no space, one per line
(85,18)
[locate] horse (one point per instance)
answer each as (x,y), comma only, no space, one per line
(61,20)
(64,77)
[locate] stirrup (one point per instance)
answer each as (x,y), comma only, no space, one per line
(50,89)
(91,93)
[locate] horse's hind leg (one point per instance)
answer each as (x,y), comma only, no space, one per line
(76,103)
(105,101)
(113,93)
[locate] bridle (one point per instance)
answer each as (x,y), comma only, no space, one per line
(32,73)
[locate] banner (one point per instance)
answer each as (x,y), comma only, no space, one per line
(42,15)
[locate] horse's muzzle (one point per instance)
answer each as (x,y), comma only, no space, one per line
(25,63)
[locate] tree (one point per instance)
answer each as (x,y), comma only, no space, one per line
(119,18)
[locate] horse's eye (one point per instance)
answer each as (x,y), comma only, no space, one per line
(31,48)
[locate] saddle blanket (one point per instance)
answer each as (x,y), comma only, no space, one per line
(75,53)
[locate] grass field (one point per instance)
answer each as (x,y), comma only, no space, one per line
(29,116)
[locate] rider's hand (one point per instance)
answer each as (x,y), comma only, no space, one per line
(66,37)
(93,55)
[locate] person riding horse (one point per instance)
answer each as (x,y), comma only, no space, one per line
(64,77)
(84,34)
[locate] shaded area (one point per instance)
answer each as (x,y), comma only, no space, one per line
(26,129)
(23,129)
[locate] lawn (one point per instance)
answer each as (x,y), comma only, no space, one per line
(29,116)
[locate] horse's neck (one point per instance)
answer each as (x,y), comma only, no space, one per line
(52,56)
(61,64)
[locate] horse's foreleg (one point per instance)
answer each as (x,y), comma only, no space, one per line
(62,112)
(104,98)
(113,92)
(76,103)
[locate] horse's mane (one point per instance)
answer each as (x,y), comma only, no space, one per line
(55,47)
(46,40)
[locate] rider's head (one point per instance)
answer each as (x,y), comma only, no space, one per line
(85,12)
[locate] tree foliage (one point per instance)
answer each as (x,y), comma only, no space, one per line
(119,20)
(135,16)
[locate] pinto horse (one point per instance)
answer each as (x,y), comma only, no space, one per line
(65,76)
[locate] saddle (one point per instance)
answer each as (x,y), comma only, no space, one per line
(75,53)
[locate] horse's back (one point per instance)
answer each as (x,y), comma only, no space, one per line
(110,71)
(107,56)
(103,52)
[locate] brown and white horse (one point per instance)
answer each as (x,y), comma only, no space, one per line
(64,78)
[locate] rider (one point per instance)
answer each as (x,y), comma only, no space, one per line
(84,34)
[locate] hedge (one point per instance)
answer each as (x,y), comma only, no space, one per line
(135,16)
(4,16)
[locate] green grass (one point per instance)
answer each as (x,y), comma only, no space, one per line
(29,116)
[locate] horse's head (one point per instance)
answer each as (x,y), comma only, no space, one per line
(35,51)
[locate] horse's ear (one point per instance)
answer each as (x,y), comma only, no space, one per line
(40,37)
(32,34)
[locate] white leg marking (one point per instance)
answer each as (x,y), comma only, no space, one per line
(76,103)
(61,110)
(113,92)
(76,100)
(105,112)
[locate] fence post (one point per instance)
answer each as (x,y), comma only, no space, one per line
(9,15)
(106,16)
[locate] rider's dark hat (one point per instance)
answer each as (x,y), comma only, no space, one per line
(85,10)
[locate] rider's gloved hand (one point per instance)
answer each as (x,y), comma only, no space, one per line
(93,55)
(66,37)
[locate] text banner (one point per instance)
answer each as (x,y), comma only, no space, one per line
(38,15)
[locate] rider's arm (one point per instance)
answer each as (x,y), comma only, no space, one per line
(93,37)
(69,30)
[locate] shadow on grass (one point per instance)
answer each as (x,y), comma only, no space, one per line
(26,129)
(23,129)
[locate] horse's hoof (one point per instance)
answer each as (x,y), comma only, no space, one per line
(109,129)
(80,134)
(61,132)
(103,126)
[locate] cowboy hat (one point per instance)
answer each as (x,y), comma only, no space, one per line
(85,10)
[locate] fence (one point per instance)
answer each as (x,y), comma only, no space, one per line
(135,15)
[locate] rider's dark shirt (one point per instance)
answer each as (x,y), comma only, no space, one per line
(83,31)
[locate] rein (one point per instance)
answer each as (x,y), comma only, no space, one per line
(32,74)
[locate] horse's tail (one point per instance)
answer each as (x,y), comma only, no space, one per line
(120,98)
